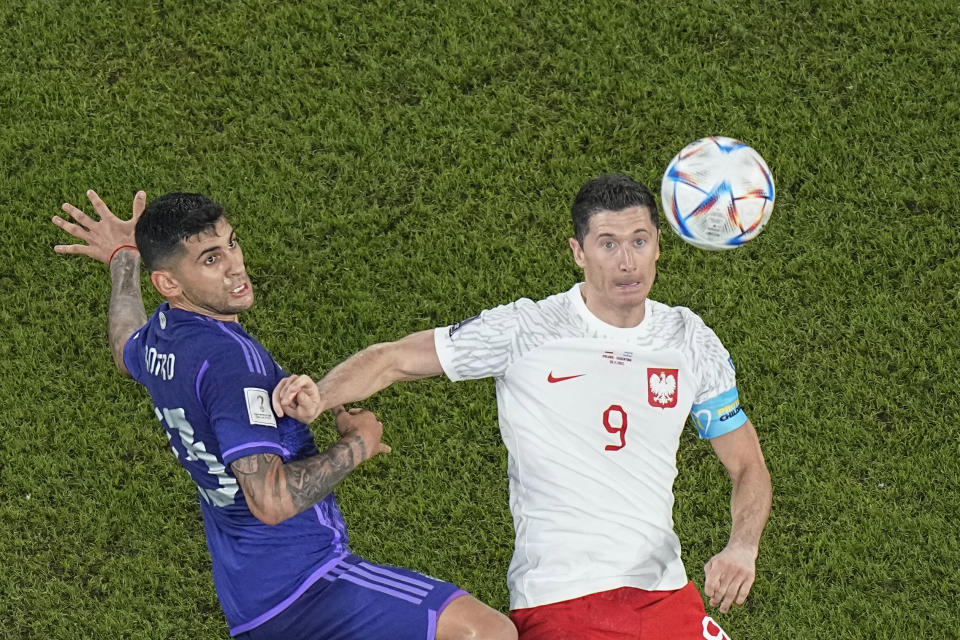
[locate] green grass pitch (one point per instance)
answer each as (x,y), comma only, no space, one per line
(393,166)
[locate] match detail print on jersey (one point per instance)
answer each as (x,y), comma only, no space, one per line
(662,387)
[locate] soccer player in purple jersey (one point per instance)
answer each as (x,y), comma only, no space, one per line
(281,563)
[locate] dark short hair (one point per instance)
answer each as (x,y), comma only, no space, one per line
(169,220)
(609,192)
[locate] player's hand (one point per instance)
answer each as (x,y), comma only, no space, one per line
(361,422)
(729,576)
(103,236)
(297,397)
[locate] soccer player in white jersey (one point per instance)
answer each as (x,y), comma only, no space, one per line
(594,386)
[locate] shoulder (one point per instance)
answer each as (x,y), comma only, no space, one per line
(553,305)
(520,315)
(200,339)
(680,317)
(506,312)
(528,314)
(685,329)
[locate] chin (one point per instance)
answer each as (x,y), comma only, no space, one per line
(237,307)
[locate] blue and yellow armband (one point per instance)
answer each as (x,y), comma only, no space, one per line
(718,415)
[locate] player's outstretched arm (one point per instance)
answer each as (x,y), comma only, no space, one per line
(111,240)
(275,490)
(359,376)
(730,573)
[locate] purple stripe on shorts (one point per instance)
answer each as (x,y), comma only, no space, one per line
(316,575)
(251,445)
(203,370)
(434,615)
(246,354)
(396,576)
(349,577)
(453,596)
(396,584)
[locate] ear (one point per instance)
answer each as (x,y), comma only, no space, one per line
(658,246)
(577,251)
(165,283)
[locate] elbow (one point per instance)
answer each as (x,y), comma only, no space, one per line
(383,363)
(270,520)
(753,472)
(118,360)
(386,356)
(757,469)
(269,514)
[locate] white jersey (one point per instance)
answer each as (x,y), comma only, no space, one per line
(591,416)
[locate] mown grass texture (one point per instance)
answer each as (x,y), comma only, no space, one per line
(396,166)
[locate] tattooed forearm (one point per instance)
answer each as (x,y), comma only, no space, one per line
(126,305)
(310,480)
(258,476)
(276,491)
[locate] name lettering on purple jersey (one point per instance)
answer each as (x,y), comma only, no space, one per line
(158,364)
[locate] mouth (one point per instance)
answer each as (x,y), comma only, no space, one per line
(628,286)
(241,289)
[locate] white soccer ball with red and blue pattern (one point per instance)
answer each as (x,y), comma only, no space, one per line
(717,193)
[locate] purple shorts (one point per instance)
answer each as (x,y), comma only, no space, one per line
(361,600)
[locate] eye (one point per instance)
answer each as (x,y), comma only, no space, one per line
(607,245)
(232,243)
(640,242)
(211,259)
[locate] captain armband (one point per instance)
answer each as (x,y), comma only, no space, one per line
(718,415)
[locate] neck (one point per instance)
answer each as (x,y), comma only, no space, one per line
(625,317)
(186,305)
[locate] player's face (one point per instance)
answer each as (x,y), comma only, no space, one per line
(619,261)
(210,277)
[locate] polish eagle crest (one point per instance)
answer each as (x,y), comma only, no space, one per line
(662,387)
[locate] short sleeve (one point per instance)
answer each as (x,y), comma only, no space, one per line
(478,347)
(716,408)
(131,356)
(237,400)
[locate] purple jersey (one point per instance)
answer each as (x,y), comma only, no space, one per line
(211,385)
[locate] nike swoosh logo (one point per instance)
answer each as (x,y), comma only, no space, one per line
(551,379)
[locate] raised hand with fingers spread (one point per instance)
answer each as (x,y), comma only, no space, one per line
(106,239)
(103,238)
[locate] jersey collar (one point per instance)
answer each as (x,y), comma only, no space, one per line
(602,327)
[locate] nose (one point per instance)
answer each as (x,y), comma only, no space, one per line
(235,263)
(627,260)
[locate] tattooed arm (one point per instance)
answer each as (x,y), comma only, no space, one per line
(275,490)
(126,306)
(111,240)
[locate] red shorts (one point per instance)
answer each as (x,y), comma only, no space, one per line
(621,614)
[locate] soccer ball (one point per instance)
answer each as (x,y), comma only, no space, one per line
(717,193)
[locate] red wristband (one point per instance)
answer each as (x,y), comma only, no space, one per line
(123,246)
